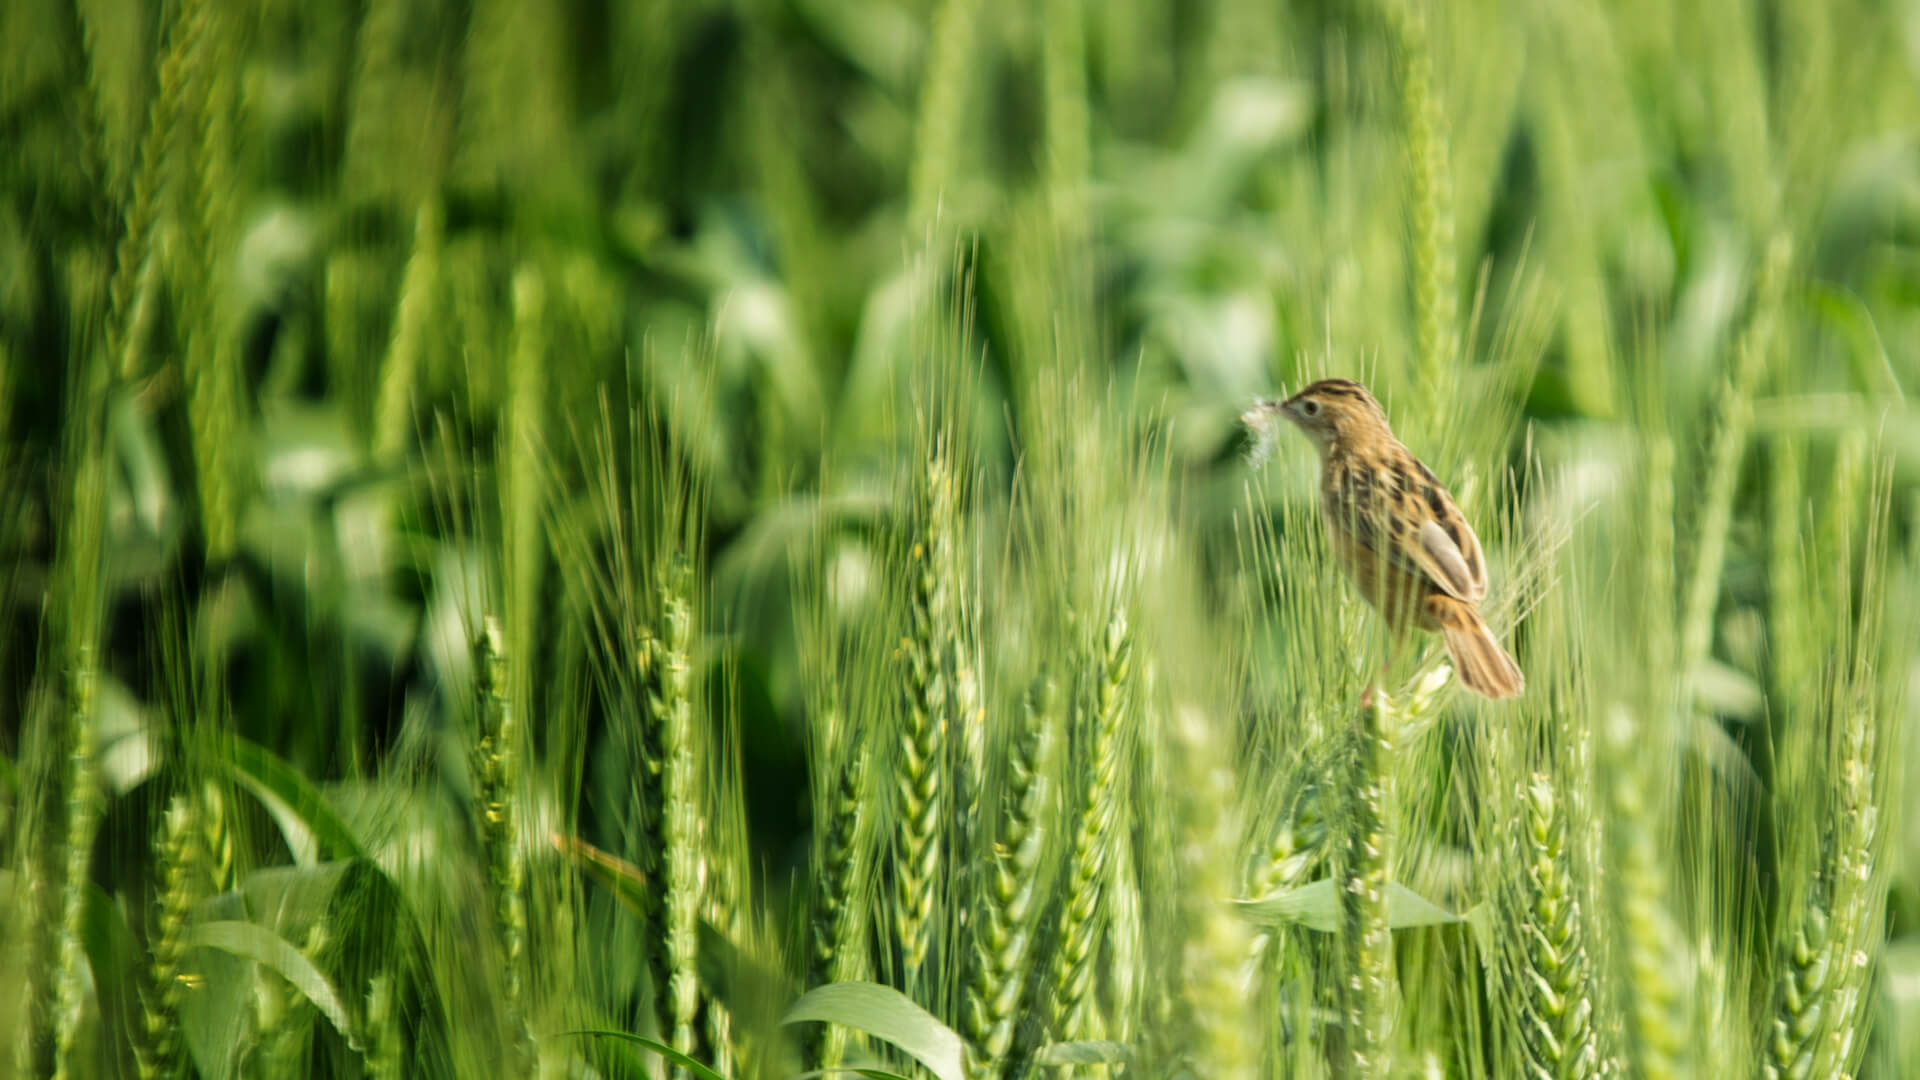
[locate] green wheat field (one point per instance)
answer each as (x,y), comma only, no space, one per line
(713,539)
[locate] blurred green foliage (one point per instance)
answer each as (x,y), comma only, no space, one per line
(329,330)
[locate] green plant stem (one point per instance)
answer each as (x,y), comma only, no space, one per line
(1723,467)
(1363,869)
(681,793)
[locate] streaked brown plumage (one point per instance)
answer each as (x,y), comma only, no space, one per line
(1396,531)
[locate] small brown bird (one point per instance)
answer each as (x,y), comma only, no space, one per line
(1395,530)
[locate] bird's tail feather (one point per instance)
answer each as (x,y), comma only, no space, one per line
(1478,660)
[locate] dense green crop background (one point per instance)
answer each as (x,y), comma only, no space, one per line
(535,533)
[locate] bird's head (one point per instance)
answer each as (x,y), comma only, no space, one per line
(1330,411)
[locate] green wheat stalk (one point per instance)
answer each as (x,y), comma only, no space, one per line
(1791,645)
(1660,619)
(969,716)
(1218,983)
(1836,536)
(920,773)
(211,364)
(419,307)
(1557,1014)
(496,765)
(526,424)
(508,690)
(106,163)
(180,861)
(943,99)
(1821,1010)
(723,834)
(1006,929)
(639,595)
(1435,303)
(1723,466)
(76,626)
(1123,984)
(84,803)
(1858,895)
(376,98)
(671,704)
(1827,948)
(1658,987)
(1362,870)
(843,871)
(1064,63)
(131,297)
(1109,726)
(1806,1038)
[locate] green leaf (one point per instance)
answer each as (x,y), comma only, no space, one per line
(113,956)
(216,987)
(306,820)
(264,947)
(699,1069)
(1086,1052)
(290,899)
(888,1015)
(1317,907)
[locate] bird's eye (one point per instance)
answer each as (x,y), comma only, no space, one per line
(1311,408)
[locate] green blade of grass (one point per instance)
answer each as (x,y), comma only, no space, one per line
(306,820)
(1316,907)
(692,1065)
(888,1015)
(264,947)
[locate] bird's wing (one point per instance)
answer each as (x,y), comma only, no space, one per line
(1401,511)
(1444,559)
(1443,544)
